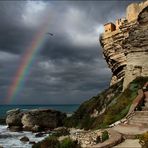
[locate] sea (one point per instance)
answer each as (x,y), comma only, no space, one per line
(10,139)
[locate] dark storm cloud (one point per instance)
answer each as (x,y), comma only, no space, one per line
(70,67)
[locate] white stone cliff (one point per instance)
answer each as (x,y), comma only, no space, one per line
(126,48)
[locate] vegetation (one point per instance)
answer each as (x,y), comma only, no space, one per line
(143,140)
(68,143)
(105,136)
(49,142)
(53,142)
(113,101)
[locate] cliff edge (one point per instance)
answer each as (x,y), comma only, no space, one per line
(125,48)
(125,44)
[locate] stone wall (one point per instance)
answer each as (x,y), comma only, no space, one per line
(109,27)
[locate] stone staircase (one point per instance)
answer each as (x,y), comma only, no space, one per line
(140,118)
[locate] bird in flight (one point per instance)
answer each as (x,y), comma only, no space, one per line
(51,34)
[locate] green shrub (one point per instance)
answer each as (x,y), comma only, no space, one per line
(53,142)
(82,117)
(49,142)
(68,143)
(143,140)
(116,103)
(105,136)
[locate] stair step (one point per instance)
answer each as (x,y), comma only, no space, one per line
(139,119)
(140,116)
(138,123)
(146,104)
(145,113)
(145,108)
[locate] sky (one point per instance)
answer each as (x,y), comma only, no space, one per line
(70,67)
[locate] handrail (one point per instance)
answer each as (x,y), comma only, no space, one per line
(137,101)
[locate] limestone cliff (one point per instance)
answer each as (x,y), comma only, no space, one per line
(136,46)
(125,47)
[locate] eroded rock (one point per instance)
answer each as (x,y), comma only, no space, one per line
(13,118)
(126,48)
(34,120)
(24,139)
(43,119)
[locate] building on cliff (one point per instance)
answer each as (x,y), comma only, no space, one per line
(125,44)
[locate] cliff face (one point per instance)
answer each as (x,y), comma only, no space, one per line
(114,53)
(136,49)
(126,49)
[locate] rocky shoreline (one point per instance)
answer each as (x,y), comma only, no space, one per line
(46,122)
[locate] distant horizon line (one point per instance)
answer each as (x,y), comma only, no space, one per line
(41,104)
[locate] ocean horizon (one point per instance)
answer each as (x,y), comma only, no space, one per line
(66,108)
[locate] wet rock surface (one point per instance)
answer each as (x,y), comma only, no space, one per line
(34,120)
(24,139)
(14,117)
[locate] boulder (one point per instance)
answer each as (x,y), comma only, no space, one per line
(61,131)
(32,142)
(24,139)
(14,118)
(34,120)
(15,128)
(41,134)
(42,119)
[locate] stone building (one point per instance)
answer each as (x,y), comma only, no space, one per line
(109,27)
(120,22)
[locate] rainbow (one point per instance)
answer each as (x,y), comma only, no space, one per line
(28,59)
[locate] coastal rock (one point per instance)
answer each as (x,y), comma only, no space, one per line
(32,142)
(24,139)
(61,131)
(41,134)
(15,128)
(43,119)
(14,118)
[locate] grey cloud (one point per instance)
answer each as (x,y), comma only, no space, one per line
(70,67)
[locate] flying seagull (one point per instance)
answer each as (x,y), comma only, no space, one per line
(51,34)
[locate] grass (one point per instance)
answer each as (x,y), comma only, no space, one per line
(115,102)
(104,136)
(143,139)
(49,142)
(53,142)
(68,143)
